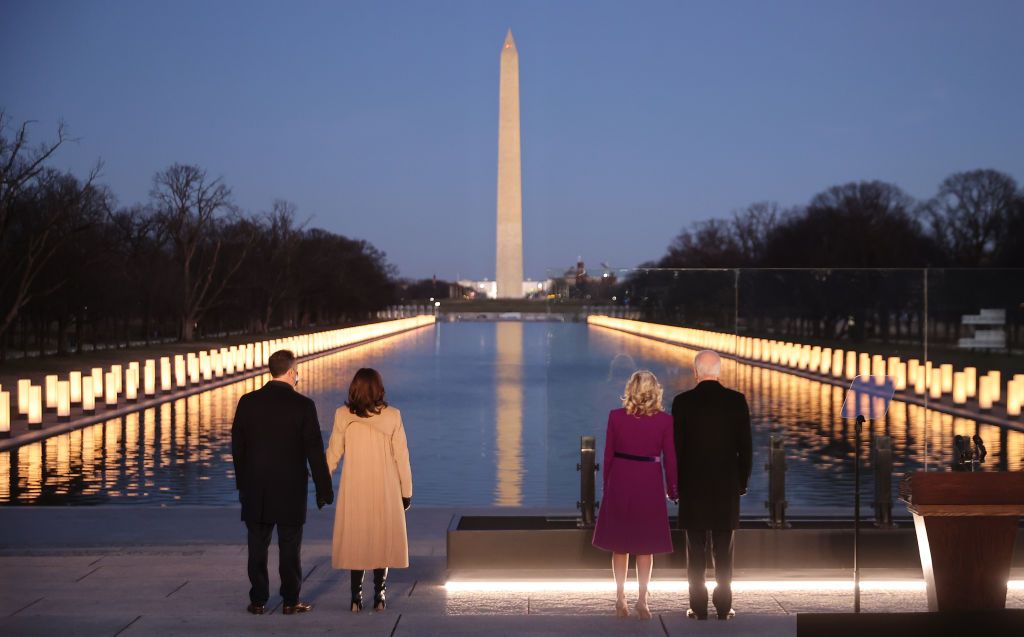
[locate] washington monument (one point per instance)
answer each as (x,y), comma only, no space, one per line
(510,188)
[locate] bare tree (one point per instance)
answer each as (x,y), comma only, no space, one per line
(276,247)
(139,242)
(190,208)
(19,164)
(867,224)
(969,214)
(32,231)
(752,227)
(706,244)
(1011,246)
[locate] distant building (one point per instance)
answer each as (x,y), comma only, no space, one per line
(576,283)
(487,289)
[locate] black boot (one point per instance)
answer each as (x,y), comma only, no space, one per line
(357,591)
(380,585)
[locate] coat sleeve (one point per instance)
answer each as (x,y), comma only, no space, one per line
(744,449)
(400,447)
(336,445)
(314,444)
(677,437)
(238,446)
(668,450)
(609,453)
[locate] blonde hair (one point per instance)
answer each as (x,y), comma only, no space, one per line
(643,394)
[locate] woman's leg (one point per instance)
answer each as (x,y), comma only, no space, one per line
(620,564)
(644,564)
(357,590)
(380,578)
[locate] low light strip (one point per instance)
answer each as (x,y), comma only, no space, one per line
(678,586)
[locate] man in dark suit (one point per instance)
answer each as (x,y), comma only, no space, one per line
(274,435)
(713,450)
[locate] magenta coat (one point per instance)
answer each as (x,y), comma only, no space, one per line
(633,516)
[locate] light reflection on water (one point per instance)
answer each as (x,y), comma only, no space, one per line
(509,411)
(494,412)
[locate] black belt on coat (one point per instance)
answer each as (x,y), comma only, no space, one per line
(629,456)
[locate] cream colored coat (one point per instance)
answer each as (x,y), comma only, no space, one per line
(369,521)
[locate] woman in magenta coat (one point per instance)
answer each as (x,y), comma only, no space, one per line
(639,472)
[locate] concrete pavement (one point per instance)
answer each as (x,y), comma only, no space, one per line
(181,571)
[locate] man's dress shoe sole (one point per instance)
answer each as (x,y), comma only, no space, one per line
(298,608)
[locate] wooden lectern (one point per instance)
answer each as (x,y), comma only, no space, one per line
(966,526)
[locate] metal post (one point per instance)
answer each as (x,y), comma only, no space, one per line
(881,465)
(588,469)
(856,513)
(776,467)
(924,339)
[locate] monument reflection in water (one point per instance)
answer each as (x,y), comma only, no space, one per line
(494,412)
(509,388)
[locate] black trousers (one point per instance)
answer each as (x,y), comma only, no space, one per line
(289,545)
(696,564)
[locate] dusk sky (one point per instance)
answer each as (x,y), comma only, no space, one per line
(379,119)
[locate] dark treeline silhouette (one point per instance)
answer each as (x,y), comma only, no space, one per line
(78,269)
(424,289)
(862,250)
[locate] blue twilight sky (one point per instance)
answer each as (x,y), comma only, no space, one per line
(379,119)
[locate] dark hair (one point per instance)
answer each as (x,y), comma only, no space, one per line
(366,393)
(280,362)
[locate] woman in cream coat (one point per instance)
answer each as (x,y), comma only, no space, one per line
(375,490)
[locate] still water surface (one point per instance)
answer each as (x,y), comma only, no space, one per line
(494,413)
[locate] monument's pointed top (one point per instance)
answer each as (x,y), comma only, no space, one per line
(510,42)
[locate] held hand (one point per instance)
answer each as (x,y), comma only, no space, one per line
(322,501)
(743,491)
(406,503)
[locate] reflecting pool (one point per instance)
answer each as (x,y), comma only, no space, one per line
(493,412)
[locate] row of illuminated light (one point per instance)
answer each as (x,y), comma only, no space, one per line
(127,383)
(913,375)
(106,457)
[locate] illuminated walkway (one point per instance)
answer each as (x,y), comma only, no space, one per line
(164,571)
(939,387)
(127,389)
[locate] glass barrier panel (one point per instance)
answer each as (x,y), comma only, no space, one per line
(976,345)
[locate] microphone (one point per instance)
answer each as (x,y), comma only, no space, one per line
(961,452)
(979,448)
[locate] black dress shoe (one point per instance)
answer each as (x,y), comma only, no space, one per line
(690,614)
(297,607)
(725,616)
(256,609)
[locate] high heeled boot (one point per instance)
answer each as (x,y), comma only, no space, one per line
(380,585)
(357,591)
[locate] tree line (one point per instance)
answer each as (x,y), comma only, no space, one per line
(861,249)
(80,269)
(976,219)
